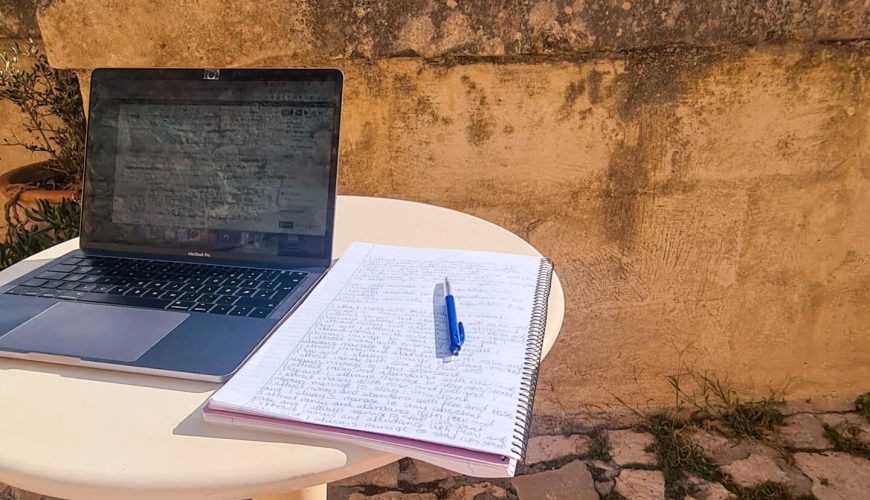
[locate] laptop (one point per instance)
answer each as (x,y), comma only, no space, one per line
(207,214)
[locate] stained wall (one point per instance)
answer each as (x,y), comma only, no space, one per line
(698,171)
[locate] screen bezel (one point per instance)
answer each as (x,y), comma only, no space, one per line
(225,74)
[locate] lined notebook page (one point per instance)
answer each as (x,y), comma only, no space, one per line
(368,349)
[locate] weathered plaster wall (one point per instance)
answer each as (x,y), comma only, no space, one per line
(240,32)
(699,172)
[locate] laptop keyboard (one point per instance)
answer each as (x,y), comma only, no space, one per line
(175,286)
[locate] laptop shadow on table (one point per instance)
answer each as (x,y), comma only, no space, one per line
(109,376)
(192,425)
(196,426)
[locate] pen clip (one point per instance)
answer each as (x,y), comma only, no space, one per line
(461,333)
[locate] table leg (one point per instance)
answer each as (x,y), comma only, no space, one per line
(313,493)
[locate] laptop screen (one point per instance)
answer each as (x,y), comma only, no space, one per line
(229,164)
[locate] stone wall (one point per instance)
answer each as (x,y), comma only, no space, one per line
(698,171)
(12,124)
(18,19)
(87,33)
(17,22)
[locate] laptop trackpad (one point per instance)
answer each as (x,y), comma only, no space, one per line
(93,331)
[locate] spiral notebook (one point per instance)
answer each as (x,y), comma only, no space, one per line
(365,359)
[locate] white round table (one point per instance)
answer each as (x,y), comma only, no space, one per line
(83,433)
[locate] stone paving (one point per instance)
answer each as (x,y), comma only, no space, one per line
(613,460)
(617,459)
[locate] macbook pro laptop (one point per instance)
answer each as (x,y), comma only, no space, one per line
(207,215)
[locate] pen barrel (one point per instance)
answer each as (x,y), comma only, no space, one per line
(452,323)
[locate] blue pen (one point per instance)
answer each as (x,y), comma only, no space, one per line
(457,331)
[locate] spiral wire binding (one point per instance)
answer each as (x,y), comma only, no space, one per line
(534,348)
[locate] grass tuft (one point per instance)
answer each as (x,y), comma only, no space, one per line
(753,419)
(845,438)
(765,491)
(599,449)
(712,397)
(706,397)
(613,495)
(699,397)
(862,405)
(678,456)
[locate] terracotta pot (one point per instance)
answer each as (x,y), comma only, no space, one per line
(32,173)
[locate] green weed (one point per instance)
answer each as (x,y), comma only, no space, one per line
(598,448)
(845,438)
(711,397)
(613,495)
(765,491)
(862,405)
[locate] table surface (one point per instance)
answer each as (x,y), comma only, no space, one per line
(79,432)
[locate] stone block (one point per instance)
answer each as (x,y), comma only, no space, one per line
(604,487)
(702,489)
(603,470)
(394,495)
(752,462)
(386,476)
(546,448)
(630,447)
(717,447)
(754,470)
(477,491)
(802,431)
(848,423)
(232,32)
(10,493)
(835,475)
(798,484)
(715,491)
(571,481)
(334,492)
(641,484)
(418,472)
(18,19)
